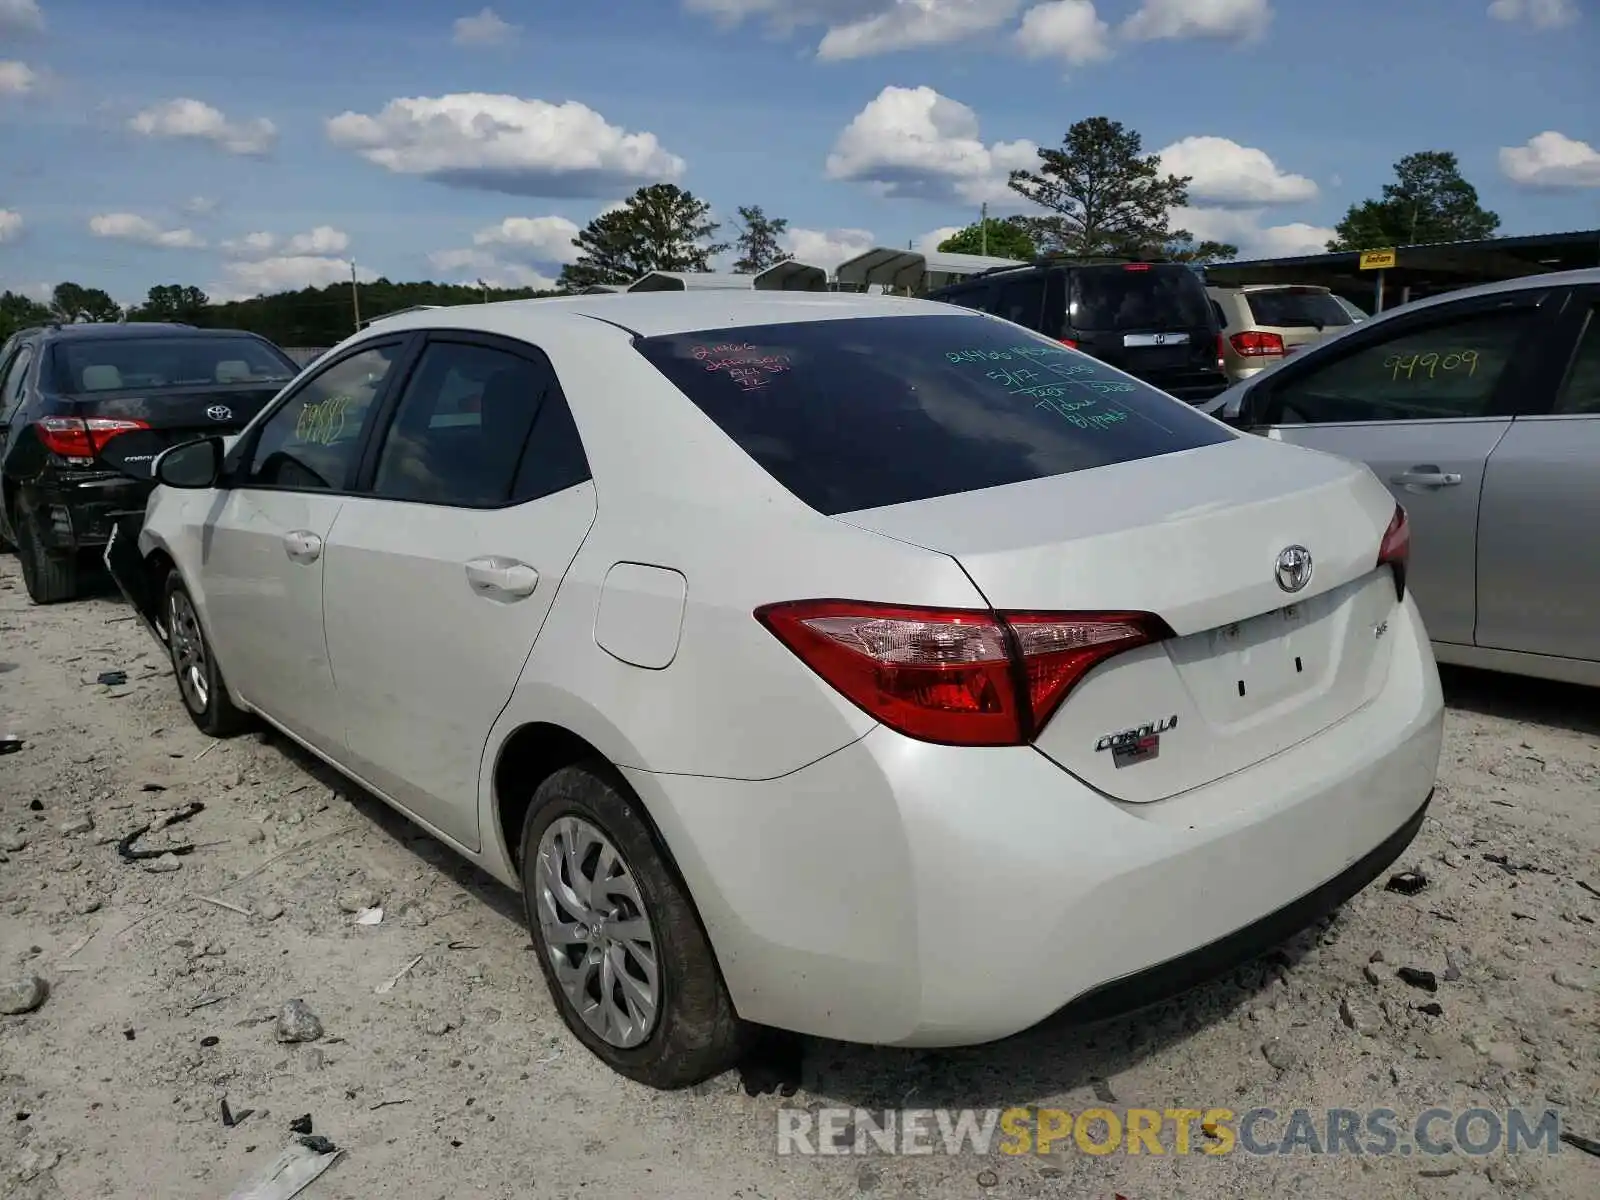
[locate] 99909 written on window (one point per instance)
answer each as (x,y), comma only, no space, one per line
(1434,372)
(312,441)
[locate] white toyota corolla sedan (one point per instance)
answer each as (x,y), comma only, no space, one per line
(857,666)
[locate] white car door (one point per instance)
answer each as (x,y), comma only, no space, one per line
(263,543)
(441,572)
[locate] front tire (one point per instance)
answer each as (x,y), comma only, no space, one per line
(617,936)
(50,576)
(200,682)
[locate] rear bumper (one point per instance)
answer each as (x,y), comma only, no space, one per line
(78,513)
(901,893)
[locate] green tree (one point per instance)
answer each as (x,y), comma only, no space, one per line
(1005,239)
(659,228)
(1184,249)
(173,302)
(72,302)
(757,242)
(20,312)
(1105,195)
(1429,201)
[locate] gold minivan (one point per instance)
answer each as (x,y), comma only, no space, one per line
(1261,323)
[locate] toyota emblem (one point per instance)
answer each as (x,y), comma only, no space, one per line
(220,412)
(1293,571)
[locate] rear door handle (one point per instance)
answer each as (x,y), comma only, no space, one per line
(1425,477)
(302,546)
(503,577)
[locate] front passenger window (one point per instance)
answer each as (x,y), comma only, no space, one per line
(313,440)
(1423,373)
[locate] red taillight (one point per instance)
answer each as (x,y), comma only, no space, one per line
(1135,266)
(1069,343)
(960,677)
(1395,549)
(82,437)
(1252,343)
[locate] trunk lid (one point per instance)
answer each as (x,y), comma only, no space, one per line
(1194,538)
(174,415)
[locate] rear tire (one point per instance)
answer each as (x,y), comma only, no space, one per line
(50,576)
(194,664)
(642,923)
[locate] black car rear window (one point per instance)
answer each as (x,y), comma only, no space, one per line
(122,363)
(1296,308)
(860,413)
(1139,296)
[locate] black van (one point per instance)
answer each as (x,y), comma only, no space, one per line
(1150,319)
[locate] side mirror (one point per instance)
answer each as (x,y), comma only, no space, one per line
(195,464)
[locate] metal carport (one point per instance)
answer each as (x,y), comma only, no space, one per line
(791,275)
(909,271)
(689,281)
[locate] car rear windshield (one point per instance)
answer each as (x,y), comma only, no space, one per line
(1139,296)
(860,413)
(119,364)
(1296,308)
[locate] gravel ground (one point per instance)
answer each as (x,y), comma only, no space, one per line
(459,1078)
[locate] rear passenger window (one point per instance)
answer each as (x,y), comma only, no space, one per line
(1581,391)
(479,427)
(1022,301)
(1423,373)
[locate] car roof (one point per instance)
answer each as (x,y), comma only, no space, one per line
(1266,287)
(95,331)
(653,314)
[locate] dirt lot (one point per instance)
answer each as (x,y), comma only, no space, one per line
(459,1079)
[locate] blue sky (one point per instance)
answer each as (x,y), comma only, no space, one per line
(247,147)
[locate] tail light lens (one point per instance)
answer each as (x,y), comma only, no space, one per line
(1395,549)
(1069,343)
(1135,266)
(958,677)
(82,437)
(1252,343)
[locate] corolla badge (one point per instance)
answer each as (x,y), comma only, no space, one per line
(1293,570)
(220,412)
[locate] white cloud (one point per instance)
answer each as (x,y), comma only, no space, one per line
(1233,20)
(200,206)
(485,29)
(861,28)
(1541,14)
(21,16)
(1552,160)
(16,78)
(1227,173)
(129,227)
(912,25)
(505,144)
(826,248)
(10,225)
(284,274)
(915,142)
(537,239)
(1067,29)
(471,266)
(322,242)
(929,242)
(198,121)
(1244,228)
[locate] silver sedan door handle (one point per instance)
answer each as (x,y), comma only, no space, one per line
(302,546)
(1425,477)
(503,577)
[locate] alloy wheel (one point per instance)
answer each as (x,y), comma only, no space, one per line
(188,645)
(596,932)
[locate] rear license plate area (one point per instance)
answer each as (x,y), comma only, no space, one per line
(1241,670)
